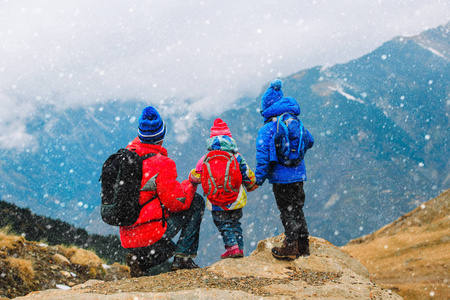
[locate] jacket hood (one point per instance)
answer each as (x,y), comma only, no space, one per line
(144,148)
(222,142)
(285,105)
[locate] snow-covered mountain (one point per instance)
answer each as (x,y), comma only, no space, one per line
(381,125)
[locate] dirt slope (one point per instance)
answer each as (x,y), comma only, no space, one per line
(411,256)
(30,266)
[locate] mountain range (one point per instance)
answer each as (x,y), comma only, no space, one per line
(380,124)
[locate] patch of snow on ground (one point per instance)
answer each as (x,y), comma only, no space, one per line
(62,287)
(348,96)
(434,51)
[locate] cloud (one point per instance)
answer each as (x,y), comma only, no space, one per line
(14,117)
(199,55)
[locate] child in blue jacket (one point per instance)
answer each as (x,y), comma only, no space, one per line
(287,180)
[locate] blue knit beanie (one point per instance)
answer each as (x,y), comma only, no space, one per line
(273,94)
(151,127)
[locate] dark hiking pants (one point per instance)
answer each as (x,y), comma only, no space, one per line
(229,225)
(290,199)
(188,222)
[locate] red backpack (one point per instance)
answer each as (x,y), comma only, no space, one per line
(221,177)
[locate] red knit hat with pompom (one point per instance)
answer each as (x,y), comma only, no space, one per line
(220,128)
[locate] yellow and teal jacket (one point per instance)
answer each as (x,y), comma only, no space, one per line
(226,143)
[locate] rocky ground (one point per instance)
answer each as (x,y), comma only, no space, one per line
(327,273)
(409,257)
(205,279)
(29,266)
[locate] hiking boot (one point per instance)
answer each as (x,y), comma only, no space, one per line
(287,251)
(132,262)
(303,247)
(232,252)
(180,263)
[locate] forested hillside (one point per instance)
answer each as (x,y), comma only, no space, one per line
(22,221)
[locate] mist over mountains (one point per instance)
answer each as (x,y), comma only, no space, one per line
(381,129)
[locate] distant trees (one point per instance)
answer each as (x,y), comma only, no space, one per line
(56,232)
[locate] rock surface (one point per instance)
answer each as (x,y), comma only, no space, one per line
(328,273)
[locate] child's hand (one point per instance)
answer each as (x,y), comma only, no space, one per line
(252,188)
(194,177)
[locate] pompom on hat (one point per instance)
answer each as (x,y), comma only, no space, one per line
(220,128)
(273,94)
(151,126)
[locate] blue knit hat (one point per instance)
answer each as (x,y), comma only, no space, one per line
(273,94)
(151,126)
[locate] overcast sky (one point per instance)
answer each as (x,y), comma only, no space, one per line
(201,55)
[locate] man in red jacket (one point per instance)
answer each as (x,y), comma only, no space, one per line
(176,207)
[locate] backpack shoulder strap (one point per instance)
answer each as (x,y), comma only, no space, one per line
(150,200)
(227,183)
(155,196)
(147,156)
(279,118)
(211,180)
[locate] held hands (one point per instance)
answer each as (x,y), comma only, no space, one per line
(194,177)
(252,188)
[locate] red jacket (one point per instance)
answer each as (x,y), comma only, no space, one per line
(175,196)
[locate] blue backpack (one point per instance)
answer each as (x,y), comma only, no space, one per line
(288,141)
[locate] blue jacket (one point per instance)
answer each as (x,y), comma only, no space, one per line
(274,172)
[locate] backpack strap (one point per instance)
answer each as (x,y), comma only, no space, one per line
(147,156)
(162,211)
(227,184)
(211,178)
(301,128)
(163,219)
(150,200)
(278,121)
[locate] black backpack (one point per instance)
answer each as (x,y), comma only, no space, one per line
(121,181)
(289,143)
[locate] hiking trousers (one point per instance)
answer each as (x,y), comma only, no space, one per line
(188,222)
(229,225)
(290,199)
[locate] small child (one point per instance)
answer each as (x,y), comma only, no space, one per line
(287,180)
(226,216)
